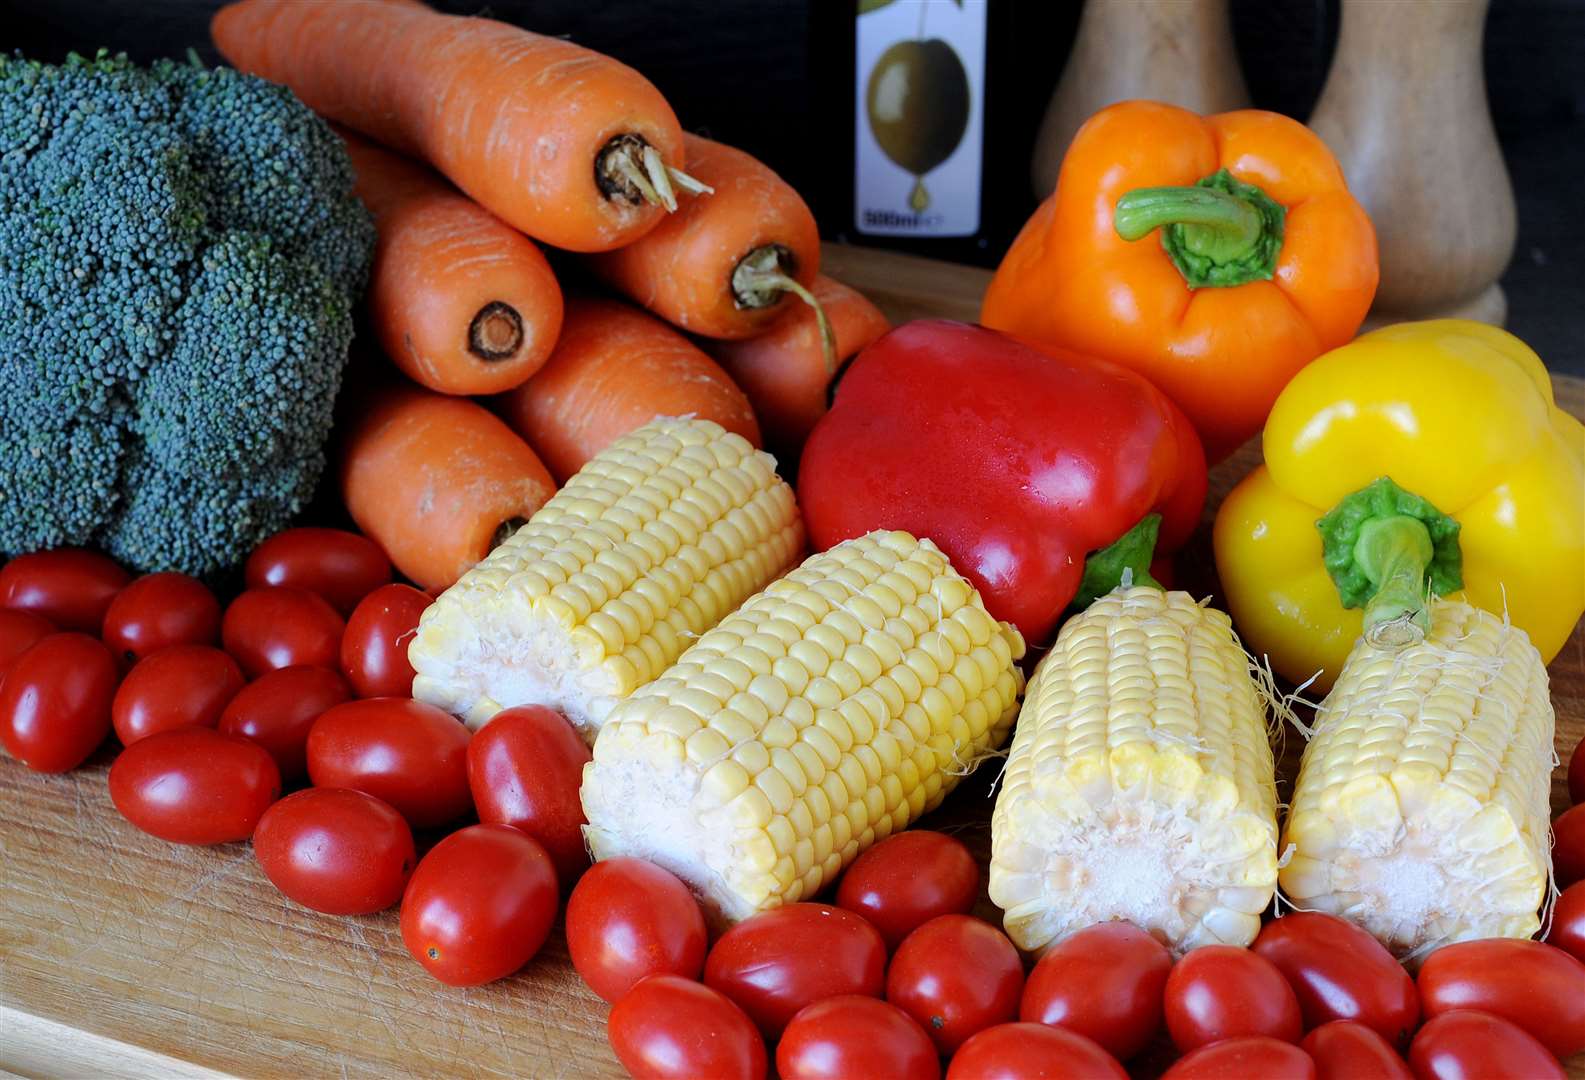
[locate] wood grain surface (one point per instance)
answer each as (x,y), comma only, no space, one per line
(121,955)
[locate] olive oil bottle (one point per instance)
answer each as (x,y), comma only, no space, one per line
(930,108)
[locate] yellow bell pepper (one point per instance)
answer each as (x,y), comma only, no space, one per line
(1424,458)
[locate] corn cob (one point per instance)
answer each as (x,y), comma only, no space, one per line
(1140,781)
(826,713)
(1421,806)
(650,544)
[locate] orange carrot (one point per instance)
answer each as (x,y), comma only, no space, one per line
(462,302)
(723,266)
(560,142)
(615,369)
(437,481)
(784,371)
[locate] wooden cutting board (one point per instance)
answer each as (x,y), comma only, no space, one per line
(124,955)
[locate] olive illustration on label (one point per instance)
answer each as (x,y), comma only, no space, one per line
(918,104)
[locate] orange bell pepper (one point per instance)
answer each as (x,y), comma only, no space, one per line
(1264,261)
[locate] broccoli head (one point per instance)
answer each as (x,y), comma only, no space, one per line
(180,254)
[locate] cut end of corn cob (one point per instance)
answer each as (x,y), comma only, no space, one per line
(828,712)
(1140,783)
(651,543)
(1421,807)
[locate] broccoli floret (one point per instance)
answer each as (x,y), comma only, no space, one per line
(180,253)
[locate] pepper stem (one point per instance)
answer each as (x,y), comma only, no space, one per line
(1126,561)
(1220,232)
(1394,553)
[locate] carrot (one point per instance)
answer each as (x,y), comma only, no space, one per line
(558,141)
(460,301)
(784,370)
(721,266)
(437,481)
(615,369)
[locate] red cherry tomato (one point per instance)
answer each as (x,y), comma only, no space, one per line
(194,786)
(774,963)
(956,975)
(1536,986)
(852,1036)
(342,567)
(1340,972)
(671,1028)
(1032,1052)
(1568,846)
(412,755)
(1576,773)
(1468,1045)
(271,628)
(1568,922)
(525,767)
(19,632)
(70,587)
(182,686)
(335,850)
(479,905)
(1105,982)
(1348,1050)
(55,702)
(627,919)
(374,647)
(278,709)
(908,879)
(160,610)
(1244,1059)
(1221,992)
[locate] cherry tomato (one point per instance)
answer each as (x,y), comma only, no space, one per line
(1105,982)
(671,1028)
(271,628)
(1568,846)
(1340,972)
(956,975)
(774,963)
(55,702)
(1348,1050)
(160,610)
(19,632)
(1221,992)
(182,686)
(851,1036)
(525,767)
(908,879)
(374,647)
(278,709)
(1244,1059)
(70,587)
(1576,773)
(194,786)
(1568,922)
(335,850)
(1468,1045)
(1032,1052)
(479,905)
(412,755)
(1536,986)
(627,919)
(342,567)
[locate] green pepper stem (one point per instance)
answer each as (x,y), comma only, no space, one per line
(1126,559)
(1216,225)
(1394,553)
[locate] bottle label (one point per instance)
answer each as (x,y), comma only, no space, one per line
(919,101)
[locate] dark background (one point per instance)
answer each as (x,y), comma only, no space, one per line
(765,75)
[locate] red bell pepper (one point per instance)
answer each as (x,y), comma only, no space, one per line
(1016,461)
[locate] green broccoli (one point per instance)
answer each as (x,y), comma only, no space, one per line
(180,254)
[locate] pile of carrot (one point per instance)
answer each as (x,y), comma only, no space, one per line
(474,143)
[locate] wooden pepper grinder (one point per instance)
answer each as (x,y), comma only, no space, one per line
(1177,51)
(1404,109)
